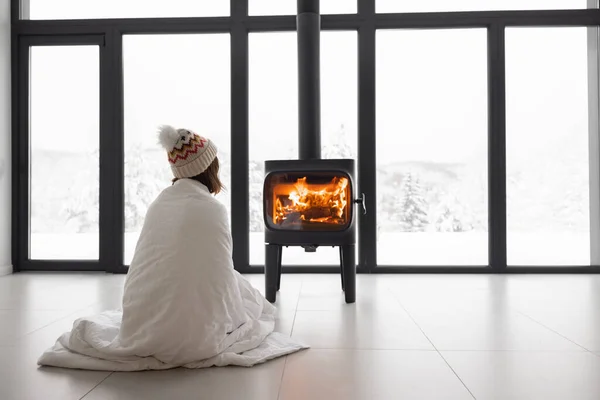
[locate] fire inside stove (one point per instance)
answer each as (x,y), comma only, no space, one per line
(302,202)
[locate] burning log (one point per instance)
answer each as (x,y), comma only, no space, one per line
(292,217)
(317,212)
(306,215)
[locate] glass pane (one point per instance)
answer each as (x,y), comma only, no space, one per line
(339,118)
(273,130)
(79,9)
(402,6)
(339,95)
(547,146)
(64,134)
(308,201)
(276,78)
(289,7)
(432,147)
(188,86)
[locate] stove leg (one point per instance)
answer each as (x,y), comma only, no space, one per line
(272,252)
(349,272)
(342,265)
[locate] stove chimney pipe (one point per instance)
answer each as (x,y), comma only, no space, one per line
(308,25)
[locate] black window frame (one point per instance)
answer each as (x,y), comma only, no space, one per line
(108,33)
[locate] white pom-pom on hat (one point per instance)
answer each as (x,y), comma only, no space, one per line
(168,137)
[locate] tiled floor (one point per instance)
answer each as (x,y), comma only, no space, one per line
(407,337)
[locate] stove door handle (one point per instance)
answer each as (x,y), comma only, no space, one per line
(362,201)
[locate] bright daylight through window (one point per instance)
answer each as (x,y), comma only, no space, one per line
(289,7)
(547,146)
(398,6)
(432,147)
(83,9)
(273,130)
(64,167)
(190,88)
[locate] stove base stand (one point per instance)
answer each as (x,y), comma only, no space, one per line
(273,271)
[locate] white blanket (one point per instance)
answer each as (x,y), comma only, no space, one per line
(183,304)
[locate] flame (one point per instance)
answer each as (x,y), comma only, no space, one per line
(301,202)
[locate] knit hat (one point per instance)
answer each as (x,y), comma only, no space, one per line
(189,153)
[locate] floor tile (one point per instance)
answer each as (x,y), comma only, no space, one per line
(352,329)
(257,383)
(580,325)
(22,379)
(418,296)
(327,294)
(56,294)
(528,375)
(438,283)
(284,321)
(375,374)
(15,324)
(567,304)
(41,339)
(287,296)
(494,328)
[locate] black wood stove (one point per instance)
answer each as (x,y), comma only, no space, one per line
(310,202)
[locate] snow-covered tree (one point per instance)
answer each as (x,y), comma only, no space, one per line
(447,222)
(449,215)
(82,209)
(338,145)
(412,206)
(256,196)
(389,198)
(145,177)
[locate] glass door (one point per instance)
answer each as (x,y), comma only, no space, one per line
(59,150)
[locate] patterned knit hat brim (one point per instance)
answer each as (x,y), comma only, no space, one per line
(195,165)
(189,154)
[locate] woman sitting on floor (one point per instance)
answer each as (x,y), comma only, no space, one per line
(183,303)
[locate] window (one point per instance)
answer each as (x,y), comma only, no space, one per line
(278,80)
(64,140)
(403,6)
(432,147)
(339,95)
(80,9)
(429,123)
(339,120)
(273,130)
(289,7)
(547,146)
(187,86)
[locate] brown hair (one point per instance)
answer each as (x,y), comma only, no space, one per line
(209,178)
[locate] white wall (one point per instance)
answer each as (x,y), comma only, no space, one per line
(5,191)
